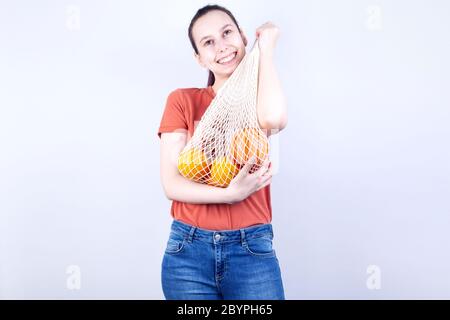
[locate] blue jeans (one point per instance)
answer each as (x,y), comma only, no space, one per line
(231,264)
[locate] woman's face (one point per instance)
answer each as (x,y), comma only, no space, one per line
(218,40)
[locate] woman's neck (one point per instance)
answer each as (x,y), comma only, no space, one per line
(218,83)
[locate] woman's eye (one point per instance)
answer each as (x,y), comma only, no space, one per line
(207,43)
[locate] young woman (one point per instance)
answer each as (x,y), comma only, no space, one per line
(220,244)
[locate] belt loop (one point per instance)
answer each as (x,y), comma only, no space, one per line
(243,237)
(191,234)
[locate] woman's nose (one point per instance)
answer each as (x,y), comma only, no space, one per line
(222,46)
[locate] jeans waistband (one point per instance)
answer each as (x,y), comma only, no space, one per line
(216,236)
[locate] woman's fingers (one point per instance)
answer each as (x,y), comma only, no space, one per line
(265,183)
(246,168)
(264,168)
(259,179)
(269,171)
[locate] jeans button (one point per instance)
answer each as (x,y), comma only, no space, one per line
(217,237)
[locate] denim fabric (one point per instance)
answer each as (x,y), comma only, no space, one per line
(212,265)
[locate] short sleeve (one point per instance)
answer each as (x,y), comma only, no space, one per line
(174,114)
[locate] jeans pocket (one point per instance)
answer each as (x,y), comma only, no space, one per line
(260,246)
(175,244)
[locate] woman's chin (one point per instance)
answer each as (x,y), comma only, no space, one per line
(228,71)
(225,75)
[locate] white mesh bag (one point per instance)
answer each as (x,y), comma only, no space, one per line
(228,134)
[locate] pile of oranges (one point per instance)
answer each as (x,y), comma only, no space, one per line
(245,144)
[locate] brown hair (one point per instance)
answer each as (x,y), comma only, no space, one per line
(200,13)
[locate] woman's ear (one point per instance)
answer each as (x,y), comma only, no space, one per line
(244,38)
(199,60)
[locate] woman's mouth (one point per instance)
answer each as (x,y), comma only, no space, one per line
(228,60)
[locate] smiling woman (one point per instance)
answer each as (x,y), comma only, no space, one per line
(220,244)
(207,53)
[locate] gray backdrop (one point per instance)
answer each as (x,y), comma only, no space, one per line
(360,202)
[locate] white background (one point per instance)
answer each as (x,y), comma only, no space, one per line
(363,173)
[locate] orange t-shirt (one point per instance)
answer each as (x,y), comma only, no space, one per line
(184,108)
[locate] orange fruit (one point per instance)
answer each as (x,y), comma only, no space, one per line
(222,172)
(192,164)
(247,143)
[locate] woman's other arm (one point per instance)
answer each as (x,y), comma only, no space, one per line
(176,187)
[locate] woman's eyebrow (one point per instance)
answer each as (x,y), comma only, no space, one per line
(227,25)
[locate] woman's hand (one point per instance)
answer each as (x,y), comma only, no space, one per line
(245,183)
(267,36)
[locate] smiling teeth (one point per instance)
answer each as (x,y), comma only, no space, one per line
(227,59)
